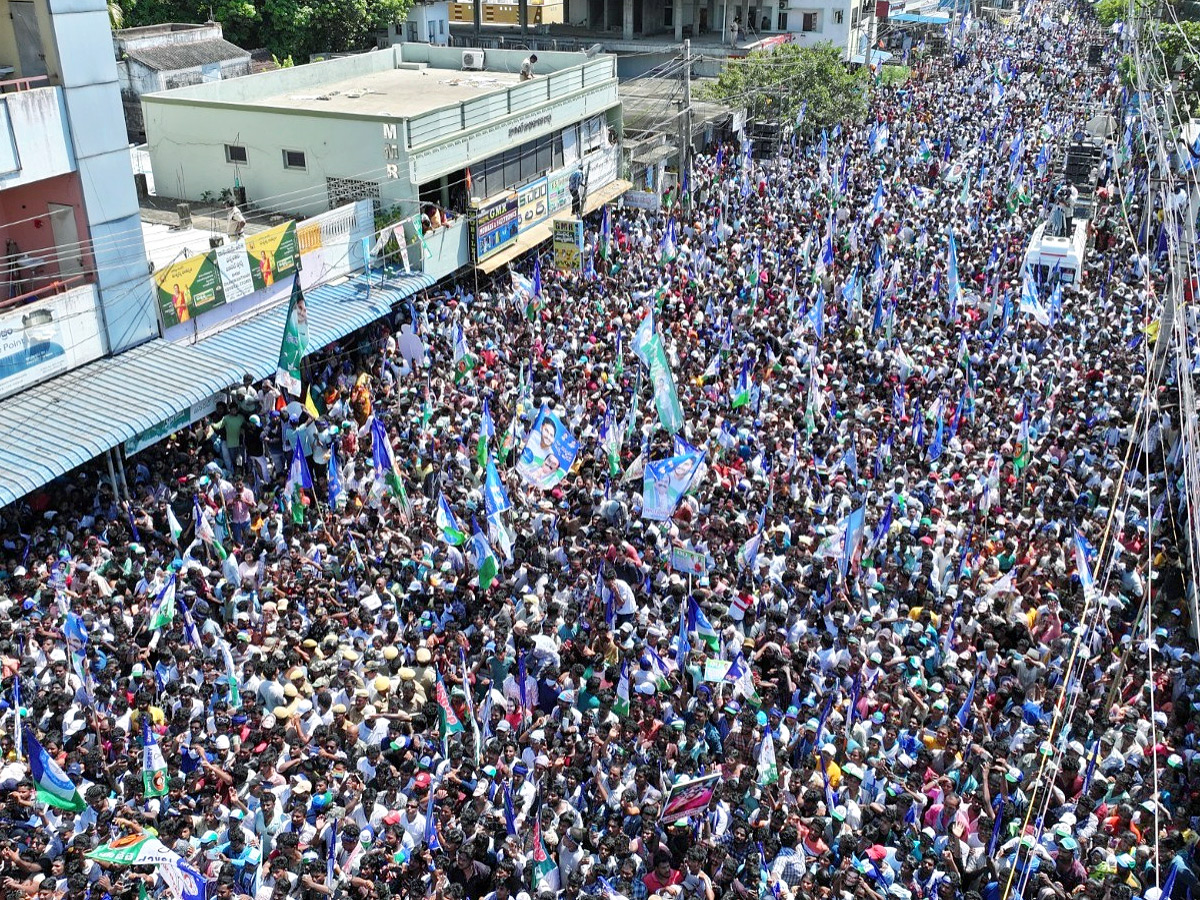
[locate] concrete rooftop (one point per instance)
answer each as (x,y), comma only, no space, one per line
(396,92)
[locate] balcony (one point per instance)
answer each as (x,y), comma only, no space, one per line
(35,140)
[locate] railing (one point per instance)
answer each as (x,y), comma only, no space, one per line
(14,85)
(58,286)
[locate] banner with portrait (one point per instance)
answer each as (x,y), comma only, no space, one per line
(188,287)
(549,451)
(272,254)
(689,798)
(665,481)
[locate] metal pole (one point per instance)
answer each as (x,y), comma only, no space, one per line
(685,120)
(112,475)
(121,470)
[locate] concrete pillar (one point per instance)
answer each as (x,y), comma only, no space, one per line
(627,20)
(678,12)
(523,16)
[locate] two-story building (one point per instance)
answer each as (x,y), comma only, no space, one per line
(409,127)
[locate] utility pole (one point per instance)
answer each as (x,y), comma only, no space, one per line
(685,122)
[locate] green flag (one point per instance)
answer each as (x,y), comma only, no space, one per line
(295,342)
(163,612)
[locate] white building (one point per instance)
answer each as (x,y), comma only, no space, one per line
(159,57)
(405,127)
(428,22)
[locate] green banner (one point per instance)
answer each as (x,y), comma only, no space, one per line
(188,287)
(272,254)
(666,397)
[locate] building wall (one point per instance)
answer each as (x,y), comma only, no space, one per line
(82,42)
(35,142)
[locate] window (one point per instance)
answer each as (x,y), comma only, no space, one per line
(809,22)
(235,153)
(782,22)
(837,17)
(293,159)
(668,16)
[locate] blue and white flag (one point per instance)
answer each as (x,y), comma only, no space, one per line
(495,497)
(52,784)
(334,477)
(955,286)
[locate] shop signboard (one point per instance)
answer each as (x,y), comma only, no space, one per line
(494,225)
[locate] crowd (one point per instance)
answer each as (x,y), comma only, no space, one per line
(915,623)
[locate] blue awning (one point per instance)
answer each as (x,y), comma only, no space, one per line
(878,57)
(921,19)
(334,310)
(62,423)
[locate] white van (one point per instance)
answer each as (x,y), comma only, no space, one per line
(1068,254)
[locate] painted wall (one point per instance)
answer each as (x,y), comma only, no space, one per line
(36,142)
(27,210)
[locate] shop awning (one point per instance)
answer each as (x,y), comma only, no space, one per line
(921,18)
(878,57)
(334,310)
(62,423)
(65,422)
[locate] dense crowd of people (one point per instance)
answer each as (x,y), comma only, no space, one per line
(915,623)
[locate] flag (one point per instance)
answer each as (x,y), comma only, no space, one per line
(450,723)
(768,771)
(955,287)
(1083,566)
(334,477)
(464,360)
(816,315)
(452,532)
(698,622)
(77,640)
(1021,456)
(667,246)
(298,481)
(621,704)
(495,497)
(190,632)
(173,525)
(431,837)
(747,556)
(387,472)
(510,817)
(163,611)
(483,558)
(739,676)
(964,711)
(295,342)
(682,646)
(154,767)
(544,868)
(605,233)
(502,535)
(741,391)
(53,787)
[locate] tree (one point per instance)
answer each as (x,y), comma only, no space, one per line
(773,84)
(1110,11)
(287,28)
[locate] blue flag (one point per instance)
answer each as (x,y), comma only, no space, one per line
(334,477)
(964,711)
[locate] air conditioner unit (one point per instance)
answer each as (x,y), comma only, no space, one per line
(783,4)
(472,60)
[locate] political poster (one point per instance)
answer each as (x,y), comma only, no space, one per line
(665,481)
(689,798)
(568,244)
(689,562)
(271,254)
(715,670)
(234,267)
(549,451)
(532,204)
(188,287)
